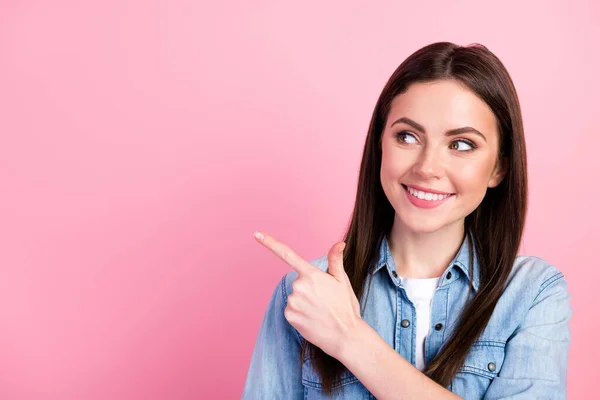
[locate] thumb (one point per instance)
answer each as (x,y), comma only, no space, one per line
(336,261)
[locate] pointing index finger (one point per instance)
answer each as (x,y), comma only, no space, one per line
(285,253)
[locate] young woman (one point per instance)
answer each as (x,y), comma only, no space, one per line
(446,308)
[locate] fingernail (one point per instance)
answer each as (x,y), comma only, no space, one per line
(259,235)
(342,247)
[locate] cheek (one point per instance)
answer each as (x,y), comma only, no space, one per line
(472,178)
(394,164)
(388,169)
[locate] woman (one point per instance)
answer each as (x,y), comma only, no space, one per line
(447,307)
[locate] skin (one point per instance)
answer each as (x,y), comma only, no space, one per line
(322,305)
(465,165)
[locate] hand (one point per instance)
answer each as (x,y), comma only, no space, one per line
(322,305)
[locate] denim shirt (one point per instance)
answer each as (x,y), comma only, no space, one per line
(521,354)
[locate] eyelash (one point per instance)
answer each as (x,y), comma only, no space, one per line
(473,146)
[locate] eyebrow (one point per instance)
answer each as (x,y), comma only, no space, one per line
(452,132)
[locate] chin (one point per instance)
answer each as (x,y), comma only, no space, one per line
(423,225)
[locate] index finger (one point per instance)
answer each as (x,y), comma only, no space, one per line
(285,253)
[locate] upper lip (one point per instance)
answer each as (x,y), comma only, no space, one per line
(426,189)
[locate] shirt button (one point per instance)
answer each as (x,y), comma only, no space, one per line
(449,275)
(492,366)
(438,327)
(405,323)
(395,273)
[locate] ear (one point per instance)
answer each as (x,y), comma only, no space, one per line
(499,173)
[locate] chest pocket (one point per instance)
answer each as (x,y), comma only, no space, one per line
(485,358)
(481,366)
(346,386)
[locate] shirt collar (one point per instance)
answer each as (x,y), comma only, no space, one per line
(461,260)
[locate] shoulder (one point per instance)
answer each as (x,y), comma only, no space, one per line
(535,274)
(535,285)
(535,294)
(532,321)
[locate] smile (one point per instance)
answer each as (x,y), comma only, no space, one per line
(424,199)
(426,195)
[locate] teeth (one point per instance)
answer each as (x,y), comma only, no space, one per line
(426,196)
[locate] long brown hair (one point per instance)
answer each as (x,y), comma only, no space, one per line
(496,225)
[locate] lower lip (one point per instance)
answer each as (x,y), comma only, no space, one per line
(422,203)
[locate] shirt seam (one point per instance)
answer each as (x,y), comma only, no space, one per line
(548,282)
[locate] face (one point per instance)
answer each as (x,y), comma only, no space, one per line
(439,155)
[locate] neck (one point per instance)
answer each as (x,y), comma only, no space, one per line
(424,255)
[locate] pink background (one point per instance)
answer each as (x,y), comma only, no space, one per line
(142,142)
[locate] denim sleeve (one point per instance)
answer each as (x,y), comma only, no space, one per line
(535,363)
(275,371)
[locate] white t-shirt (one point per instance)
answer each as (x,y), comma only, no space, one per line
(420,292)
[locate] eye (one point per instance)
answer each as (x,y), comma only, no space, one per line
(462,145)
(406,137)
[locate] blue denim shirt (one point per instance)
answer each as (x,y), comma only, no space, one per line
(521,354)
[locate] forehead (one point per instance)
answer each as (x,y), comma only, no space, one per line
(443,105)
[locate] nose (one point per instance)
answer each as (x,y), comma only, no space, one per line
(429,164)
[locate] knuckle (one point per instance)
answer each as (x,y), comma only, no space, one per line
(312,277)
(291,303)
(295,285)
